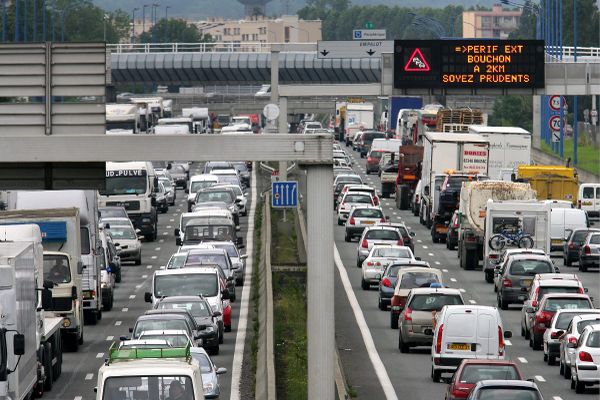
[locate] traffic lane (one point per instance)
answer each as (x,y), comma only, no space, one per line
(79,375)
(477,291)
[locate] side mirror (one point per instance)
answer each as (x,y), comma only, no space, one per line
(80,267)
(507,334)
(571,345)
(240,241)
(19,344)
(217,314)
(225,295)
(524,289)
(107,226)
(585,290)
(221,371)
(557,270)
(130,330)
(123,338)
(447,223)
(411,234)
(176,231)
(530,379)
(46,299)
(48,284)
(418,258)
(426,190)
(138,231)
(178,241)
(244,256)
(148,297)
(387,217)
(186,190)
(428,332)
(529,310)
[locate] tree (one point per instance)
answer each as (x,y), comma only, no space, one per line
(174,30)
(513,111)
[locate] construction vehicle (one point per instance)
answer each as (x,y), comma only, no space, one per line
(551,182)
(409,173)
(471,216)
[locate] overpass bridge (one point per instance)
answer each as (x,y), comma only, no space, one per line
(189,64)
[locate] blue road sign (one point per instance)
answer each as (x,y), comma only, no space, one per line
(284,194)
(357,34)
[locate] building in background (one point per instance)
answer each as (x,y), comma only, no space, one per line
(259,29)
(498,23)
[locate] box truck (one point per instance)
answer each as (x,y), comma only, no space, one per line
(359,117)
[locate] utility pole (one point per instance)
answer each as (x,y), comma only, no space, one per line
(133,24)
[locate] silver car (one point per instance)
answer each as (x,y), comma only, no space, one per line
(361,217)
(379,258)
(571,335)
(210,373)
(125,237)
(170,192)
(373,235)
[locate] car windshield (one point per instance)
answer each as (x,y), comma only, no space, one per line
(205,366)
(56,268)
(148,387)
(116,185)
(394,268)
(434,301)
(476,373)
(196,308)
(112,213)
(411,280)
(186,285)
(230,179)
(166,183)
(198,233)
(350,179)
(566,304)
(391,252)
(376,155)
(224,196)
(177,261)
(582,324)
(508,394)
(158,325)
(368,137)
(530,267)
(229,247)
(202,258)
(579,237)
(198,185)
(122,232)
(595,239)
(556,289)
(382,234)
(357,198)
(368,213)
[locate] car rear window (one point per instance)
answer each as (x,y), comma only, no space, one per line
(411,280)
(358,198)
(564,319)
(593,340)
(595,239)
(368,138)
(392,252)
(582,324)
(530,267)
(376,154)
(393,269)
(556,289)
(579,236)
(434,301)
(382,234)
(476,373)
(566,304)
(519,393)
(368,213)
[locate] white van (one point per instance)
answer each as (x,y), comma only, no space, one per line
(387,145)
(466,332)
(563,221)
(588,199)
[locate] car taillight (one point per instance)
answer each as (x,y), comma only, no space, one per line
(554,335)
(370,263)
(378,264)
(585,356)
(351,221)
(572,339)
(492,256)
(543,317)
(382,219)
(500,342)
(386,282)
(400,242)
(534,303)
(370,159)
(460,393)
(587,251)
(407,314)
(438,343)
(571,245)
(506,282)
(417,198)
(581,291)
(364,244)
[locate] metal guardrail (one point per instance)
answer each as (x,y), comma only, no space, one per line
(215,47)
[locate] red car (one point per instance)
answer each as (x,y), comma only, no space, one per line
(227,316)
(471,371)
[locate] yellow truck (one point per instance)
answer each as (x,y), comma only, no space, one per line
(552,182)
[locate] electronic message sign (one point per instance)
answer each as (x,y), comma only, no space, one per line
(469,63)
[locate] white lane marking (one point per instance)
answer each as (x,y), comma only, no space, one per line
(132,296)
(165,233)
(157,249)
(430,254)
(452,279)
(462,290)
(507,342)
(144,276)
(424,246)
(124,309)
(89,377)
(472,301)
(109,338)
(178,210)
(138,286)
(409,228)
(557,398)
(443,270)
(161,240)
(522,360)
(99,355)
(154,257)
(419,241)
(540,378)
(438,263)
(118,323)
(240,338)
(77,398)
(149,267)
(394,213)
(380,370)
(172,220)
(169,226)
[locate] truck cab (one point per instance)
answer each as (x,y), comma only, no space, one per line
(131,185)
(150,373)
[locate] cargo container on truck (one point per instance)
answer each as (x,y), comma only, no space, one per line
(444,153)
(122,118)
(29,342)
(551,182)
(509,147)
(395,105)
(471,216)
(87,203)
(59,231)
(359,117)
(131,185)
(199,115)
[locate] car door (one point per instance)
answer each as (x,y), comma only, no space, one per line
(487,335)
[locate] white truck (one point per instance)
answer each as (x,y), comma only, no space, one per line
(131,185)
(87,203)
(150,373)
(471,216)
(516,218)
(200,117)
(359,117)
(151,110)
(29,341)
(60,235)
(509,147)
(122,118)
(445,153)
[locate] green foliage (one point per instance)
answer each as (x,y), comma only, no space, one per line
(513,111)
(174,30)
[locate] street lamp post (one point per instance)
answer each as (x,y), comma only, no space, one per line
(133,24)
(24,20)
(104,20)
(17,22)
(34,21)
(167,22)
(144,18)
(154,7)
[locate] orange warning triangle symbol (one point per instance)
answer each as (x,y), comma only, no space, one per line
(417,62)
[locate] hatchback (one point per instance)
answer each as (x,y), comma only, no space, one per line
(373,235)
(387,280)
(470,372)
(551,338)
(210,373)
(360,218)
(350,200)
(408,279)
(589,253)
(505,389)
(585,360)
(571,335)
(380,256)
(573,243)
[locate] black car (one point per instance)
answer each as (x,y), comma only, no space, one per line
(573,243)
(201,311)
(366,141)
(452,234)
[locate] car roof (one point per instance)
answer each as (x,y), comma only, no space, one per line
(529,256)
(524,251)
(546,280)
(161,316)
(178,311)
(565,295)
(163,332)
(417,268)
(178,299)
(507,383)
(487,361)
(359,193)
(203,177)
(590,314)
(389,246)
(125,221)
(186,271)
(592,327)
(431,290)
(380,227)
(366,206)
(416,263)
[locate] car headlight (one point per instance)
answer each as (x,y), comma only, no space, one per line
(208,387)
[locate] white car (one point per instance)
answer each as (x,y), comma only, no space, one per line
(585,360)
(240,195)
(551,339)
(351,200)
(571,335)
(380,256)
(374,235)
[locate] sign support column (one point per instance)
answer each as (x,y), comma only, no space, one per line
(275,51)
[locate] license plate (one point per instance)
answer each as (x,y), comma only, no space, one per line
(368,222)
(556,241)
(526,282)
(459,346)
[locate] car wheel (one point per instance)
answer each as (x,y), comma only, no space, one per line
(138,261)
(404,347)
(535,343)
(546,359)
(489,277)
(358,263)
(364,284)
(562,369)
(582,268)
(523,330)
(567,372)
(381,305)
(215,350)
(340,222)
(527,333)
(551,360)
(227,328)
(572,382)
(435,375)
(501,303)
(393,321)
(579,386)
(347,238)
(567,262)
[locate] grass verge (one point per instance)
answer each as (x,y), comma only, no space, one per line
(255,284)
(284,246)
(291,361)
(588,155)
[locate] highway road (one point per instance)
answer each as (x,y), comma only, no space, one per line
(368,347)
(79,372)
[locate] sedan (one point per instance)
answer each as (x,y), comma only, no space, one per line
(505,389)
(571,335)
(380,257)
(589,253)
(126,238)
(170,192)
(471,371)
(210,373)
(351,200)
(361,217)
(373,235)
(573,243)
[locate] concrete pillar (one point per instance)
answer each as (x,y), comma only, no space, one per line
(281,102)
(320,284)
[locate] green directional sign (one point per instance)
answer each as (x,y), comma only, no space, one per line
(369,25)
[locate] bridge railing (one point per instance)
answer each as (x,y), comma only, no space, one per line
(223,47)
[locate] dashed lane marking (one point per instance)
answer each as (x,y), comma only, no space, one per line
(132,296)
(522,360)
(161,240)
(507,342)
(452,279)
(165,233)
(172,220)
(557,398)
(99,355)
(144,276)
(540,378)
(430,254)
(118,323)
(425,247)
(77,398)
(89,377)
(157,249)
(419,241)
(124,309)
(462,290)
(472,301)
(443,270)
(154,257)
(109,338)
(438,263)
(138,286)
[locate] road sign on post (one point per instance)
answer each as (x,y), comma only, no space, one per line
(369,34)
(285,194)
(354,48)
(554,102)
